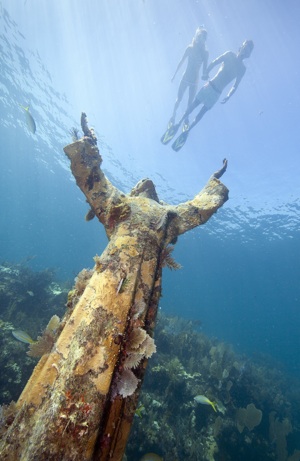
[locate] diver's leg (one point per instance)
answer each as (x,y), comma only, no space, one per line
(199,117)
(181,90)
(190,109)
(192,94)
(181,140)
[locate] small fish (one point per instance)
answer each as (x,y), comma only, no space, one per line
(23,336)
(30,293)
(29,119)
(205,401)
(139,411)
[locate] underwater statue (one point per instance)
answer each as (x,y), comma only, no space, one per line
(80,401)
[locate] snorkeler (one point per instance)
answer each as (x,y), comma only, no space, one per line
(197,55)
(232,67)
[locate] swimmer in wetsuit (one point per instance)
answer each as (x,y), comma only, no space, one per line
(197,55)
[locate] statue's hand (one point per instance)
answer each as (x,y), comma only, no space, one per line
(220,172)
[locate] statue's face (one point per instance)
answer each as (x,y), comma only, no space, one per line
(145,188)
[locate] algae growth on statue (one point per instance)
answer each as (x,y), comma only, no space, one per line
(80,401)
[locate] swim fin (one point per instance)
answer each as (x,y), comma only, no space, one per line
(180,141)
(169,133)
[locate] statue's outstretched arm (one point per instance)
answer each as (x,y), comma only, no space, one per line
(103,198)
(197,211)
(221,171)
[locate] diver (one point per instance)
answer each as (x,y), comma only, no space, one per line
(197,55)
(232,67)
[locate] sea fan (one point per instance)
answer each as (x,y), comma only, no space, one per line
(148,347)
(137,336)
(127,383)
(138,309)
(53,324)
(140,345)
(167,260)
(133,360)
(42,345)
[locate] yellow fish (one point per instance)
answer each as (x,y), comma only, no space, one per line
(139,411)
(29,119)
(23,336)
(205,401)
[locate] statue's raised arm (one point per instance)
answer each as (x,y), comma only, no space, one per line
(198,210)
(86,162)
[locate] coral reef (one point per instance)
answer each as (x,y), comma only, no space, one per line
(27,301)
(258,406)
(248,417)
(258,409)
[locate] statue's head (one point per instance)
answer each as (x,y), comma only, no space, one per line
(144,188)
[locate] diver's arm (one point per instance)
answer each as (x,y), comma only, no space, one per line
(215,62)
(185,55)
(204,66)
(218,60)
(234,87)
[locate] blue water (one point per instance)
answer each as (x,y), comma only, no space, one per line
(114,60)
